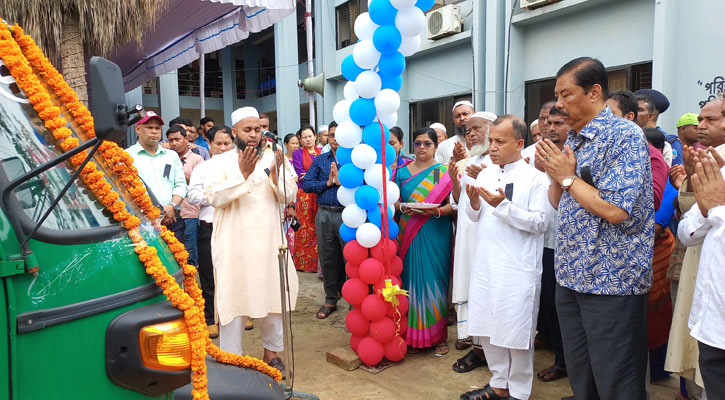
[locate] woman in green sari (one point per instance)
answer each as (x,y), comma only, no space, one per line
(426,237)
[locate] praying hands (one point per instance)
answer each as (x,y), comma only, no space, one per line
(707,181)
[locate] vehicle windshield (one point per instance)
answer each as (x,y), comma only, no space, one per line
(26,143)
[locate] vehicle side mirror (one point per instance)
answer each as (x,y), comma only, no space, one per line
(108,102)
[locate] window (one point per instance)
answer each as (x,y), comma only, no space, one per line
(346,15)
(26,144)
(188,76)
(424,113)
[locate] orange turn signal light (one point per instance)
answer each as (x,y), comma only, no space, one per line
(166,346)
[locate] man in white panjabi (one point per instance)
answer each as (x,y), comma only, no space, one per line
(242,186)
(508,204)
(456,144)
(463,172)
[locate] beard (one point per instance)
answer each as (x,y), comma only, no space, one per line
(479,150)
(241,145)
(460,130)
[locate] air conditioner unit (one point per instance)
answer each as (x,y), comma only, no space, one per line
(444,21)
(532,4)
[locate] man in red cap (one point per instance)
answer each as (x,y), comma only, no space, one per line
(161,171)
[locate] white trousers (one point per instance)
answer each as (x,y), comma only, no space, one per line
(512,369)
(462,323)
(230,335)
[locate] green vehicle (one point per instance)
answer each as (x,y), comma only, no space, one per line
(79,316)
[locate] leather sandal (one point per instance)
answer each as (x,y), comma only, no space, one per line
(468,363)
(325,311)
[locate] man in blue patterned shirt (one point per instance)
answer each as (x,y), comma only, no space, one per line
(602,186)
(322,179)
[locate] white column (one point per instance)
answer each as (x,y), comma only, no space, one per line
(228,82)
(169,97)
(287,74)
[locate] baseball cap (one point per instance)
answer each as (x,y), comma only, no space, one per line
(148,116)
(687,119)
(660,100)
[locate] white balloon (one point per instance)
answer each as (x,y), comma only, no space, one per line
(389,119)
(365,27)
(410,21)
(363,156)
(365,54)
(409,45)
(368,84)
(354,216)
(402,4)
(393,193)
(350,92)
(387,102)
(341,111)
(374,176)
(348,134)
(368,235)
(346,196)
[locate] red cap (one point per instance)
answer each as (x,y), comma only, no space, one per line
(149,115)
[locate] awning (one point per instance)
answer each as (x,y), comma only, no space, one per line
(190,28)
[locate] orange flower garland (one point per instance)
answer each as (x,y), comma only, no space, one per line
(189,300)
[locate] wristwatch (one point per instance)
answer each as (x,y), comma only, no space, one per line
(177,207)
(567,182)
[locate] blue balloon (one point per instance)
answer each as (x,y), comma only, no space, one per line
(393,230)
(362,111)
(343,155)
(349,69)
(389,155)
(350,176)
(391,65)
(382,12)
(346,233)
(394,82)
(375,214)
(387,39)
(425,5)
(372,136)
(367,197)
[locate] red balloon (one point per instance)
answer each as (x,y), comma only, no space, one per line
(354,291)
(391,247)
(355,341)
(371,270)
(373,307)
(380,285)
(395,349)
(370,351)
(403,325)
(396,266)
(402,306)
(357,323)
(354,252)
(383,331)
(352,270)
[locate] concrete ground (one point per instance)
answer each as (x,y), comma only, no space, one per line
(418,376)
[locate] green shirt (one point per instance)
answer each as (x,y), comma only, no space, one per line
(162,172)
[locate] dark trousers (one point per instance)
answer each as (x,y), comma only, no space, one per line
(191,230)
(548,320)
(178,228)
(712,367)
(206,270)
(605,344)
(329,250)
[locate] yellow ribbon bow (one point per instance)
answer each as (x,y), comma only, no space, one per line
(391,291)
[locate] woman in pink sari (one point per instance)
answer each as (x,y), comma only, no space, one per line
(426,243)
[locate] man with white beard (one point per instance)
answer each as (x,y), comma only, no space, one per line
(463,172)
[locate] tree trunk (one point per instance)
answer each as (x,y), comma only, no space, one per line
(72,57)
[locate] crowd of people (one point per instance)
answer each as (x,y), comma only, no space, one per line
(599,241)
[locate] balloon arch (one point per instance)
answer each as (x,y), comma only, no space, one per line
(390,31)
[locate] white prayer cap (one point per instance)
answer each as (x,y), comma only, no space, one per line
(462,103)
(244,112)
(533,124)
(485,115)
(322,128)
(438,125)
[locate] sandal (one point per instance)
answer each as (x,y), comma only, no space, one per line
(277,363)
(441,349)
(551,374)
(468,363)
(463,344)
(325,311)
(487,393)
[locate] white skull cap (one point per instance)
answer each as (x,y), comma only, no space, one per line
(244,112)
(440,126)
(462,103)
(485,115)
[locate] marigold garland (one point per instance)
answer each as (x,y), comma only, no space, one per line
(190,299)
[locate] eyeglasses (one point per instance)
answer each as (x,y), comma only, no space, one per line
(427,143)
